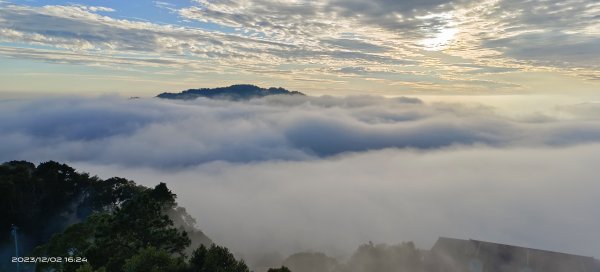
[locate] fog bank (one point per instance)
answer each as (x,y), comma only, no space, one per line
(541,198)
(280,175)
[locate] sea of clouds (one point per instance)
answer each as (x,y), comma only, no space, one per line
(289,173)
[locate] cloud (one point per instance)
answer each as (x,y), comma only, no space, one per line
(287,174)
(556,34)
(535,197)
(307,37)
(157,133)
(81,31)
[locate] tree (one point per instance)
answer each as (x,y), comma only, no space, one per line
(108,240)
(215,259)
(110,194)
(281,269)
(198,258)
(115,224)
(40,201)
(154,260)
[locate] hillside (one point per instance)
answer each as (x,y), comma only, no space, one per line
(103,225)
(233,92)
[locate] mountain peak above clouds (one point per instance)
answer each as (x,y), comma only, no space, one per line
(233,92)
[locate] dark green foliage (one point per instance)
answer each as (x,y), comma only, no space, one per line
(198,258)
(109,239)
(234,92)
(153,260)
(114,223)
(74,241)
(44,200)
(281,269)
(215,259)
(38,200)
(111,193)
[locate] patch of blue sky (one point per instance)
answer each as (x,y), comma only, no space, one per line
(153,11)
(140,10)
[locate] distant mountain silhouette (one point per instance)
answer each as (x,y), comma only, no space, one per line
(233,92)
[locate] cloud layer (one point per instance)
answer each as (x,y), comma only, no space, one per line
(287,174)
(168,134)
(541,198)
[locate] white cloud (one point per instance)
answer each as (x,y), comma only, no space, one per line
(535,197)
(321,39)
(80,29)
(288,173)
(179,134)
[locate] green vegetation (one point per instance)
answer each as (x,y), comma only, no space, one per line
(233,92)
(215,259)
(114,224)
(117,225)
(136,229)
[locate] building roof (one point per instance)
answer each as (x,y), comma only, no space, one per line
(477,255)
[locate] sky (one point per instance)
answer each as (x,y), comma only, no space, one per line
(335,47)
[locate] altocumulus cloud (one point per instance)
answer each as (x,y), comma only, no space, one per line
(385,38)
(284,174)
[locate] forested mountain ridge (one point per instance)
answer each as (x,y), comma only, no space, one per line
(233,92)
(115,224)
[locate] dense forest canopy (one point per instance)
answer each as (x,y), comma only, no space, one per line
(109,225)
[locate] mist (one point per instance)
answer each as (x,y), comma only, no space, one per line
(280,175)
(542,198)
